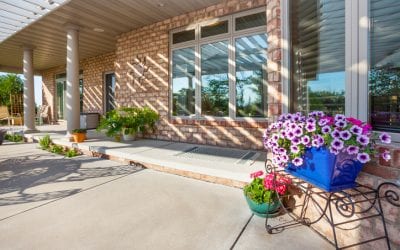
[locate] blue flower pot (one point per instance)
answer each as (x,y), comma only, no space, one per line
(327,171)
(263,209)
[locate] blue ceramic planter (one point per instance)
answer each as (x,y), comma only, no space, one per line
(264,209)
(327,171)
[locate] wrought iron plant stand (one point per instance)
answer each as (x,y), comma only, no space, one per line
(361,200)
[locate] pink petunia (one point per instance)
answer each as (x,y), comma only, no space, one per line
(256,174)
(354,121)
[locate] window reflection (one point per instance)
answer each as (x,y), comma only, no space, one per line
(183,82)
(251,92)
(318,55)
(384,74)
(214,79)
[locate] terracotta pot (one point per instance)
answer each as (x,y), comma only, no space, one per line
(79,137)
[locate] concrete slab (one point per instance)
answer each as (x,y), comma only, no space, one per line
(117,208)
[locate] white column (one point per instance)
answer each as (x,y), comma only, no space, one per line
(29,91)
(72,94)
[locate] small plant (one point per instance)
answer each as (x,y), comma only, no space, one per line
(72,152)
(263,189)
(45,142)
(14,137)
(79,131)
(56,149)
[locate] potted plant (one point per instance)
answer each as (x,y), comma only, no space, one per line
(327,151)
(112,124)
(79,135)
(262,192)
(2,133)
(147,119)
(129,117)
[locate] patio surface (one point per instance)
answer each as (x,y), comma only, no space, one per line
(205,162)
(49,202)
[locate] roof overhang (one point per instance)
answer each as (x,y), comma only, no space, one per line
(100,22)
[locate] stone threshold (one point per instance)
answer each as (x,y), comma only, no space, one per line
(198,173)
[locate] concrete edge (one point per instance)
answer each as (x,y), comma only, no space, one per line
(178,169)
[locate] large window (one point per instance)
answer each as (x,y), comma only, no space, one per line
(384,72)
(218,68)
(317,30)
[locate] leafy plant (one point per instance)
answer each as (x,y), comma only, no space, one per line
(72,152)
(79,131)
(112,123)
(45,142)
(56,149)
(14,137)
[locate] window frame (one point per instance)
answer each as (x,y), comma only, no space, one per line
(357,28)
(231,37)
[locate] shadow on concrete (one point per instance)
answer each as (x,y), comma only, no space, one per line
(21,173)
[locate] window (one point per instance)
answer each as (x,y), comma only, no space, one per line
(221,71)
(384,71)
(251,60)
(318,55)
(183,82)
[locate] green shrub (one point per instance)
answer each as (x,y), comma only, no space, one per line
(71,153)
(14,137)
(45,142)
(79,131)
(56,149)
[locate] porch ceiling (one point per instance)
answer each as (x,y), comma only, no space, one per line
(112,16)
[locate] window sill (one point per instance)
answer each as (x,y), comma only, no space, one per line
(221,121)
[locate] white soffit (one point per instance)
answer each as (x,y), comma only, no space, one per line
(17,14)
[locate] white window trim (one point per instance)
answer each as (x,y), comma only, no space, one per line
(197,43)
(357,28)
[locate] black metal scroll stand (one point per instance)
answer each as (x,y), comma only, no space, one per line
(362,200)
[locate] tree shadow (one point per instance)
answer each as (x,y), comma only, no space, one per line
(25,172)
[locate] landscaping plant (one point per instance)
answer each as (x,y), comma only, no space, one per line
(72,152)
(45,142)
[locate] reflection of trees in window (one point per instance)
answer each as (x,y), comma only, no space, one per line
(183,102)
(384,90)
(249,101)
(328,101)
(215,96)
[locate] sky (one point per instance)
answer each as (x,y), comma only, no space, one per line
(38,87)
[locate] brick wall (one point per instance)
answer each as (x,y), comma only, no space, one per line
(93,73)
(152,42)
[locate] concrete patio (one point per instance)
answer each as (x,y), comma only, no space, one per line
(49,202)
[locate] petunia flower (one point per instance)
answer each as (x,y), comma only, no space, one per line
(305,140)
(310,127)
(297,161)
(345,135)
(294,149)
(256,174)
(326,130)
(363,157)
(385,138)
(337,144)
(354,121)
(357,130)
(386,155)
(363,140)
(352,150)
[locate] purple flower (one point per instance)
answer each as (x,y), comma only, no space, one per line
(341,124)
(386,156)
(322,122)
(296,141)
(294,149)
(334,151)
(297,161)
(305,140)
(326,130)
(310,127)
(335,134)
(337,144)
(284,158)
(363,157)
(282,151)
(315,143)
(385,138)
(298,131)
(345,135)
(356,130)
(290,135)
(321,140)
(352,150)
(283,134)
(339,117)
(363,140)
(275,137)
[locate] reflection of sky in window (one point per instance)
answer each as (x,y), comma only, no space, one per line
(248,94)
(333,81)
(180,83)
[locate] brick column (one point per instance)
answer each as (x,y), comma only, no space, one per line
(274,58)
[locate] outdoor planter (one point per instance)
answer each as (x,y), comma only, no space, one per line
(79,135)
(128,137)
(327,171)
(263,209)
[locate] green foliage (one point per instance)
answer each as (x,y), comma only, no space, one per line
(79,131)
(129,120)
(56,149)
(9,84)
(258,193)
(71,153)
(45,142)
(14,137)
